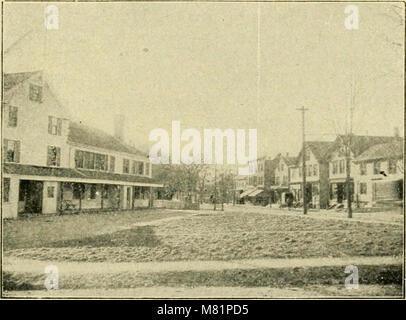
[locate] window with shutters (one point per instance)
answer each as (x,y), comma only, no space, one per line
(54,156)
(6,189)
(11,150)
(12,116)
(35,93)
(54,126)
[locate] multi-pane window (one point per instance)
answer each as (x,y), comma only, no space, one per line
(35,93)
(54,156)
(91,160)
(112,163)
(147,169)
(12,116)
(300,172)
(377,167)
(79,159)
(363,168)
(6,189)
(140,168)
(126,166)
(137,167)
(392,166)
(309,170)
(101,162)
(363,188)
(51,192)
(54,126)
(315,170)
(88,160)
(335,167)
(11,150)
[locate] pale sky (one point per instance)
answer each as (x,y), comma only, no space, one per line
(218,65)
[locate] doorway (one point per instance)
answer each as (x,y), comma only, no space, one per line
(30,196)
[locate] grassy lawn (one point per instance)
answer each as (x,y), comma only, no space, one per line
(219,236)
(41,231)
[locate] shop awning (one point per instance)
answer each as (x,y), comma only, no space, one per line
(256,193)
(246,193)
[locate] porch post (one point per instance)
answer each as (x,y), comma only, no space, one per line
(151,197)
(102,196)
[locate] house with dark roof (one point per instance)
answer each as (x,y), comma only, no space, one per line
(282,177)
(51,164)
(317,155)
(357,145)
(378,174)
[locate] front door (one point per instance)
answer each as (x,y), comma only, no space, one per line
(31,193)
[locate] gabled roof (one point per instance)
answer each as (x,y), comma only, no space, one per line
(320,149)
(82,134)
(382,151)
(359,144)
(10,80)
(290,161)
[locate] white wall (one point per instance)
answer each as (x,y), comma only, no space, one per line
(32,125)
(10,208)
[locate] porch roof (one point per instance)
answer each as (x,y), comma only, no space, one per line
(71,173)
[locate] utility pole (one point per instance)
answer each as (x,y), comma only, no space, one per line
(348,154)
(303,110)
(215,186)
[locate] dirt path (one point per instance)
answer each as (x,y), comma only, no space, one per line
(375,217)
(34,266)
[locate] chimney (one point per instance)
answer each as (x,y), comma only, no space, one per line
(119,122)
(396,132)
(287,154)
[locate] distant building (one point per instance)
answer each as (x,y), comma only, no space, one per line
(317,169)
(282,177)
(378,174)
(337,164)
